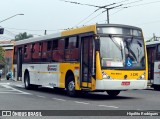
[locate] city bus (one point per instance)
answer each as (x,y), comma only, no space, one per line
(153,52)
(99,57)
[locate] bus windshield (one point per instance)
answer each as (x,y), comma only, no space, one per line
(122,52)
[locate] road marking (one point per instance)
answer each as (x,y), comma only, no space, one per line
(20,86)
(81,102)
(41,96)
(108,106)
(13,89)
(59,99)
(12,93)
(4,83)
(7,91)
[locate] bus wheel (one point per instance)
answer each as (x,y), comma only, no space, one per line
(27,82)
(113,93)
(156,87)
(71,86)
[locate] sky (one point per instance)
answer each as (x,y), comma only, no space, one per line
(56,15)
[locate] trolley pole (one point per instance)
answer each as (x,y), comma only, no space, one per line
(108,16)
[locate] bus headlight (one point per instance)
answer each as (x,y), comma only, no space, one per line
(105,76)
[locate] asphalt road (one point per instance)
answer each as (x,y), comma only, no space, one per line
(13,96)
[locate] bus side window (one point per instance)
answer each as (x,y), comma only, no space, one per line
(49,50)
(71,48)
(44,51)
(66,43)
(49,45)
(40,47)
(73,42)
(40,50)
(32,48)
(58,50)
(73,45)
(55,44)
(25,51)
(35,51)
(158,52)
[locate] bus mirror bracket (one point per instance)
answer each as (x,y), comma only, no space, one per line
(97,44)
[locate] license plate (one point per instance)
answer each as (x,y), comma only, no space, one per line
(125,83)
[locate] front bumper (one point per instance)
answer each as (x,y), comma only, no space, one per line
(118,84)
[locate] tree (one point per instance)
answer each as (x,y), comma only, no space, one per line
(2,59)
(22,36)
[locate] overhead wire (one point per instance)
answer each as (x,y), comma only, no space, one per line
(94,17)
(80,21)
(121,8)
(117,11)
(106,9)
(132,2)
(111,8)
(5,37)
(96,11)
(129,6)
(143,4)
(9,32)
(85,18)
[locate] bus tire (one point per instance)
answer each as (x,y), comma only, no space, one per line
(156,87)
(27,81)
(113,93)
(70,87)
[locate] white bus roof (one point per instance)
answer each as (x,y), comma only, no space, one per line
(152,43)
(35,39)
(83,29)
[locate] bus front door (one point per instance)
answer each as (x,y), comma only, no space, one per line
(19,64)
(86,61)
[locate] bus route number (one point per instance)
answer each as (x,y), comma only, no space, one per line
(134,74)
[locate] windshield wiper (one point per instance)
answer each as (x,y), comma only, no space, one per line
(119,46)
(128,45)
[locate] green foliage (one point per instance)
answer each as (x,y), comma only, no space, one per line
(22,36)
(2,59)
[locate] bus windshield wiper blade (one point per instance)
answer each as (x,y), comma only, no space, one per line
(129,48)
(119,46)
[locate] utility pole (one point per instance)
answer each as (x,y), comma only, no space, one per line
(108,16)
(45,32)
(154,37)
(107,9)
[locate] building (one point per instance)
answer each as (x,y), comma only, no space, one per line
(8,47)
